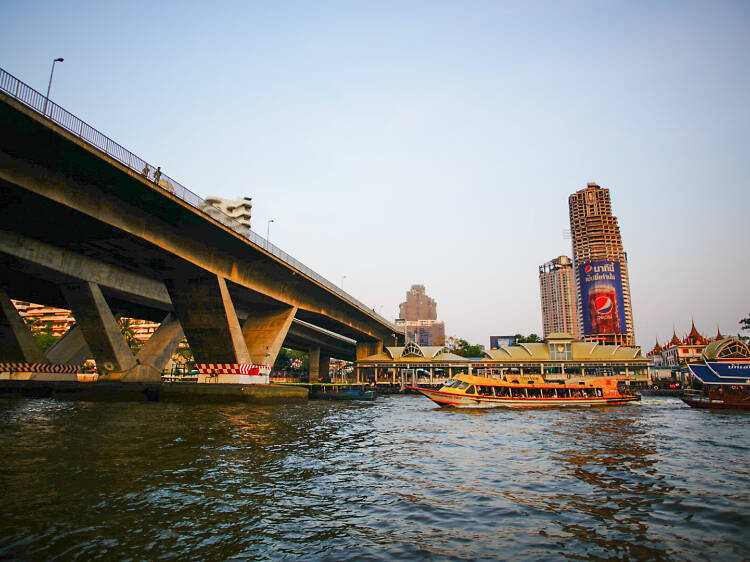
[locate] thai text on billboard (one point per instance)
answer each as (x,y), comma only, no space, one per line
(602,305)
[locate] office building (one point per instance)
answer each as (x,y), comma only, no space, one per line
(558,294)
(600,266)
(418,317)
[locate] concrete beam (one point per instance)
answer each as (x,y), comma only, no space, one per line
(214,247)
(16,342)
(65,266)
(207,315)
(100,329)
(264,333)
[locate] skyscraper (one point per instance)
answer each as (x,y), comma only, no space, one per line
(418,315)
(559,303)
(600,266)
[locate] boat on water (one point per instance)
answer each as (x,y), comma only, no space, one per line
(331,391)
(470,391)
(725,377)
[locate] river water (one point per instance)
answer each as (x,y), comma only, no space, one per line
(393,479)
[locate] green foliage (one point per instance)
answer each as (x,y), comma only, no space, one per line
(184,352)
(744,327)
(41,330)
(531,338)
(463,348)
(128,332)
(745,324)
(290,360)
(45,341)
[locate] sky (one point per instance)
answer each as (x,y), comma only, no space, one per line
(405,142)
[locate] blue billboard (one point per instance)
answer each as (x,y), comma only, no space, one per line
(602,305)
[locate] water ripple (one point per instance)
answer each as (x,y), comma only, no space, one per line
(394,479)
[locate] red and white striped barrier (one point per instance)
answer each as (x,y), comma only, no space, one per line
(232,369)
(39,368)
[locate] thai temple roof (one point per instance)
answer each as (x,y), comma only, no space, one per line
(694,337)
(657,349)
(675,340)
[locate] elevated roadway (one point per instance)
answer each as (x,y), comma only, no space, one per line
(82,227)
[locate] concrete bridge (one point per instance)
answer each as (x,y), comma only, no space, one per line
(83,227)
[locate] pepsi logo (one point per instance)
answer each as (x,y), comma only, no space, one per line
(587,269)
(603,304)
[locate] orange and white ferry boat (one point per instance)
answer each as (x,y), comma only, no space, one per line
(469,391)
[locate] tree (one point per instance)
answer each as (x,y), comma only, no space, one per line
(41,331)
(745,325)
(184,352)
(531,338)
(290,360)
(127,328)
(463,348)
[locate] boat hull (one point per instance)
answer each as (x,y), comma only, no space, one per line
(715,404)
(448,399)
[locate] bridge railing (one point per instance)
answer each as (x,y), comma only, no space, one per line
(28,96)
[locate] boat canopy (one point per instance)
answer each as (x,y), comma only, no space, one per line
(707,375)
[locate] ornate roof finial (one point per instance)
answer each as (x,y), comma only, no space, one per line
(675,340)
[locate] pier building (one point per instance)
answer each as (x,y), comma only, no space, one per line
(558,358)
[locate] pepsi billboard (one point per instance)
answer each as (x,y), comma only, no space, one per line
(602,304)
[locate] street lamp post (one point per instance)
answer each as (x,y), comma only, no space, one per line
(52,72)
(342,281)
(268,230)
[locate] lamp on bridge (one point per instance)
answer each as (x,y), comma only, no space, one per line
(342,281)
(52,72)
(268,230)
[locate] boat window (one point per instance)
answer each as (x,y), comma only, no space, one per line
(462,385)
(470,390)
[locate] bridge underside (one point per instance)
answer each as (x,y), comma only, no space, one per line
(80,231)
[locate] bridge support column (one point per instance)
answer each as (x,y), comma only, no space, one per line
(264,332)
(314,363)
(100,329)
(364,350)
(16,342)
(156,352)
(70,349)
(206,312)
(320,364)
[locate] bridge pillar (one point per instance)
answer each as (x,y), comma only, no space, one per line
(364,350)
(207,315)
(100,329)
(320,364)
(70,349)
(16,342)
(324,365)
(314,363)
(264,332)
(156,352)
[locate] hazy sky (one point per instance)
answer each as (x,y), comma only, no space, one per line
(435,142)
